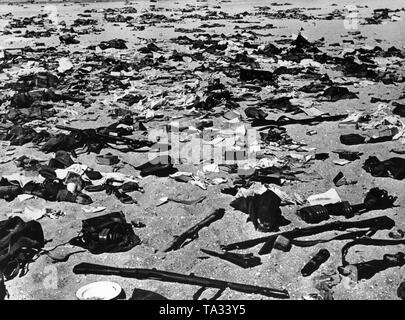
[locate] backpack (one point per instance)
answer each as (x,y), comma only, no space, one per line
(106,233)
(19,242)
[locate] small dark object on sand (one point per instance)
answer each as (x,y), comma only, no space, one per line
(348,155)
(138,224)
(338,93)
(315,262)
(321,156)
(393,167)
(255,113)
(68,39)
(396,234)
(340,180)
(115,43)
(352,139)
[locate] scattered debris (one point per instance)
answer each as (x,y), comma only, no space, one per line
(221,113)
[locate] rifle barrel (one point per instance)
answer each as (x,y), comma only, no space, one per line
(380,223)
(165,276)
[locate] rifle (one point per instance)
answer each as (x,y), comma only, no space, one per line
(244,260)
(379,223)
(165,276)
(192,233)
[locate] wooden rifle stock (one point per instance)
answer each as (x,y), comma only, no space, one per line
(192,233)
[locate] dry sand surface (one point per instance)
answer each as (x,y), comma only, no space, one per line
(278,269)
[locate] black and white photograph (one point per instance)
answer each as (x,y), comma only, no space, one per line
(213,152)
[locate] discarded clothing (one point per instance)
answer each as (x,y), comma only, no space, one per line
(338,93)
(348,155)
(8,190)
(255,113)
(263,210)
(19,242)
(393,167)
(115,43)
